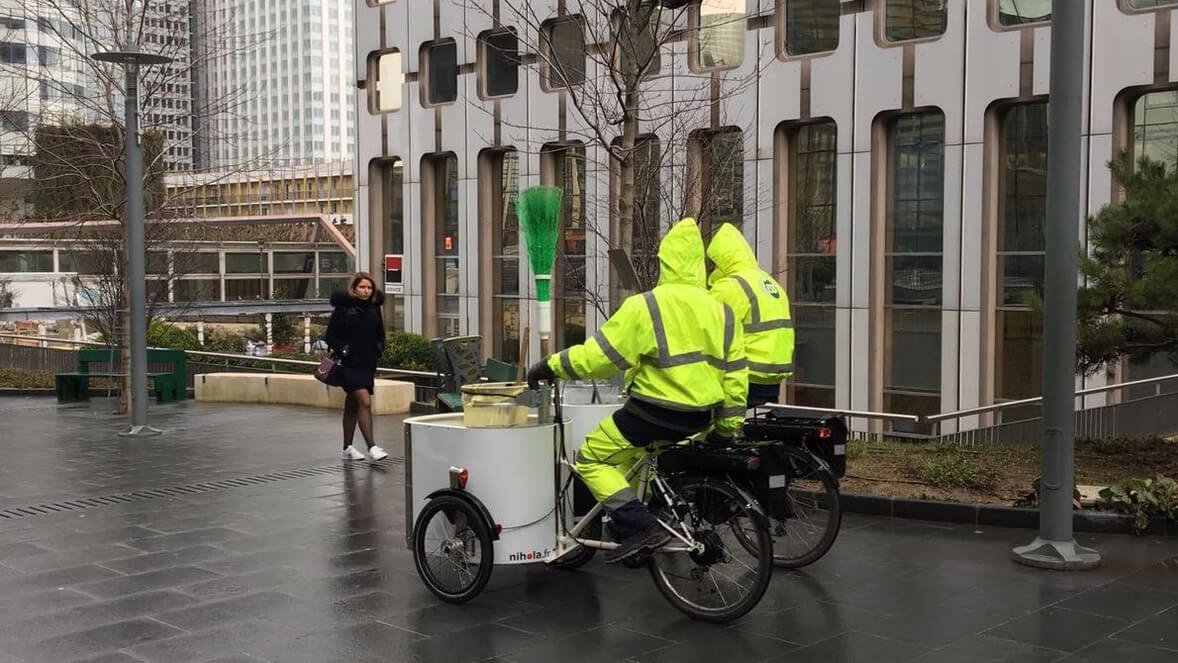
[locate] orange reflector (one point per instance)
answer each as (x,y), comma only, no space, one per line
(825,432)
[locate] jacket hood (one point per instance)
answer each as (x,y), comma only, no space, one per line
(730,252)
(345,298)
(681,255)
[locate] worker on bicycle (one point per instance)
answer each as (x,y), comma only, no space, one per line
(760,305)
(683,354)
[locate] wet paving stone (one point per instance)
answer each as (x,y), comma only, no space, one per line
(315,568)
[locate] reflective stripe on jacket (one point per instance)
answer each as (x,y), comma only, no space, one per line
(681,348)
(758,301)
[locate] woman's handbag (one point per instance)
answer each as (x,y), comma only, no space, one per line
(325,368)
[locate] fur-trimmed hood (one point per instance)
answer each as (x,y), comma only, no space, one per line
(345,298)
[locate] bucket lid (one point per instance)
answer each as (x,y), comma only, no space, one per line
(505,389)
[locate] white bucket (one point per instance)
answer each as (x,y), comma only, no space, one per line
(588,392)
(510,471)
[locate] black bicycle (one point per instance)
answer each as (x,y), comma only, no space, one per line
(802,459)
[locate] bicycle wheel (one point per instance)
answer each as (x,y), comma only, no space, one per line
(812,516)
(729,576)
(452,549)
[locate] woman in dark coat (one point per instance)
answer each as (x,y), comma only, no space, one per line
(355,335)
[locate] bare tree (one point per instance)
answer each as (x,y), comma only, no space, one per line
(619,66)
(70,109)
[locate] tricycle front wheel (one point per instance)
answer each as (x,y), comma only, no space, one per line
(452,548)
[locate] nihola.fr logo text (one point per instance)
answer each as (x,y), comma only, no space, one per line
(528,556)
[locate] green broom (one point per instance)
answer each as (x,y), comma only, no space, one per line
(538,208)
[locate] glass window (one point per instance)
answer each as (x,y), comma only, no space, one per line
(564,47)
(1021,252)
(196,262)
(12,120)
(1024,204)
(913,255)
(293,288)
(245,263)
(386,76)
(499,56)
(330,285)
(244,289)
(441,66)
(566,169)
(446,254)
(638,53)
(302,261)
(811,26)
(13,53)
(718,176)
(647,208)
(1017,12)
(914,19)
(505,261)
(1155,127)
(393,206)
(334,262)
(83,262)
(27,261)
(811,242)
(197,290)
(157,262)
(719,40)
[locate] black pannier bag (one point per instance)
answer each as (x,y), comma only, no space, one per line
(760,467)
(825,437)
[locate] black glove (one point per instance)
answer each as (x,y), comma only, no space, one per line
(539,371)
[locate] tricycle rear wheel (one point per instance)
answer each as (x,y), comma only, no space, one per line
(452,548)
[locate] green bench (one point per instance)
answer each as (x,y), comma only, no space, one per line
(169,386)
(457,360)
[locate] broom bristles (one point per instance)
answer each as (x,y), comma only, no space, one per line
(538,208)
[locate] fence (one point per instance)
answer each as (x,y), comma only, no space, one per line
(30,356)
(1149,407)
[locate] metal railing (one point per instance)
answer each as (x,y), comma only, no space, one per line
(40,354)
(1010,422)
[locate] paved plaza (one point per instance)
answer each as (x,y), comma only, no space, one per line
(239,536)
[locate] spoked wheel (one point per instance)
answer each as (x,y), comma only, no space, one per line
(581,556)
(812,517)
(727,578)
(452,549)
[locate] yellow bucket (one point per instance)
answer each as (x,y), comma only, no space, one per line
(492,405)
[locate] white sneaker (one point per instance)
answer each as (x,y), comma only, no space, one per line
(377,453)
(351,453)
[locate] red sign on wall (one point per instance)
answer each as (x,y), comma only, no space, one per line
(392,274)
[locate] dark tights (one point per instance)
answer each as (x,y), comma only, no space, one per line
(358,410)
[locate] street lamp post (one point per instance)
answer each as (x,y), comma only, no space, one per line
(1056,547)
(133,228)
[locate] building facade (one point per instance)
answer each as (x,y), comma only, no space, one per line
(46,75)
(281,94)
(891,167)
(40,76)
(56,273)
(316,188)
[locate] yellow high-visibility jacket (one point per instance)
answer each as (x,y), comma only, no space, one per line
(759,302)
(681,348)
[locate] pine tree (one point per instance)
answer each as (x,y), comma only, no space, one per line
(1128,307)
